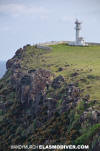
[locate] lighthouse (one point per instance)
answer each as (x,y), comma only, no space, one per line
(79,41)
(77,28)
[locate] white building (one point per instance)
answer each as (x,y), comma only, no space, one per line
(79,41)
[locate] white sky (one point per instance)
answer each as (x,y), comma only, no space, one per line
(31,21)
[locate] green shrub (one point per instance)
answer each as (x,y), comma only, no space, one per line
(88,134)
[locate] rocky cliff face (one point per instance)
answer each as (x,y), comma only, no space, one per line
(45,105)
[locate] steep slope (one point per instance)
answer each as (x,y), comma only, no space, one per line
(44,100)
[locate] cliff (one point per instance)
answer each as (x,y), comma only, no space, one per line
(40,103)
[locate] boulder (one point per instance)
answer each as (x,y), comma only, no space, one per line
(74,74)
(57,82)
(60,69)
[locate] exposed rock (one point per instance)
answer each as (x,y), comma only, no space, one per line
(16,76)
(4,106)
(67,65)
(73,92)
(83,80)
(23,89)
(1,86)
(32,71)
(24,48)
(10,63)
(57,82)
(86,98)
(93,116)
(33,86)
(60,69)
(74,74)
(19,53)
(15,61)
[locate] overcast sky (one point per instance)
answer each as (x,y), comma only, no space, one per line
(31,21)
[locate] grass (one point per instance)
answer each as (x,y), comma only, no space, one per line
(84,60)
(88,134)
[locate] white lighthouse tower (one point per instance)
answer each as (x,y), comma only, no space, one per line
(77,28)
(79,41)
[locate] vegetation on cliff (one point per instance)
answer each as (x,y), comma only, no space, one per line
(51,97)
